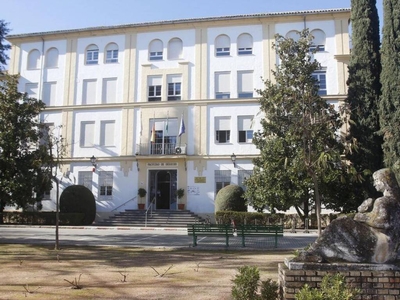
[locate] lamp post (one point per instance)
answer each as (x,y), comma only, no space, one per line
(93,160)
(233,158)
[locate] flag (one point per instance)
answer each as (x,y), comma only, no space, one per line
(166,126)
(153,133)
(181,127)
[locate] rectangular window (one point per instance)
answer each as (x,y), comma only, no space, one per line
(245,133)
(165,136)
(85,178)
(154,85)
(222,130)
(107,133)
(222,179)
(105,184)
(222,85)
(320,77)
(156,55)
(109,90)
(89,91)
(46,133)
(174,87)
(225,51)
(244,51)
(31,89)
(112,56)
(92,57)
(87,134)
(49,93)
(245,84)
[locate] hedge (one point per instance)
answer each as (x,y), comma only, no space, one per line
(42,218)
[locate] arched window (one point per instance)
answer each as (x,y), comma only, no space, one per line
(156,50)
(175,47)
(33,59)
(293,34)
(111,53)
(52,58)
(245,44)
(222,45)
(92,55)
(318,42)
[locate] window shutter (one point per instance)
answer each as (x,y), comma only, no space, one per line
(52,58)
(223,123)
(222,84)
(49,93)
(109,90)
(222,41)
(245,81)
(245,40)
(244,122)
(89,91)
(175,48)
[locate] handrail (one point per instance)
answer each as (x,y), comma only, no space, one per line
(124,203)
(151,211)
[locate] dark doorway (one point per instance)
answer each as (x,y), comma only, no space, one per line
(163,188)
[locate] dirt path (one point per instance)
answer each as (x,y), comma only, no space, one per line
(33,272)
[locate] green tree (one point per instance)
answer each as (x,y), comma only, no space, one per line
(300,148)
(24,171)
(4,47)
(364,90)
(389,109)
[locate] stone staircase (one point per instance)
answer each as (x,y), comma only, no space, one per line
(159,218)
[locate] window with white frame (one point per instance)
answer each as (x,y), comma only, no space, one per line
(222,130)
(31,89)
(105,184)
(107,133)
(318,42)
(109,93)
(222,45)
(222,179)
(243,175)
(245,84)
(87,134)
(33,60)
(92,55)
(85,178)
(111,53)
(156,50)
(174,87)
(49,93)
(222,85)
(245,133)
(245,44)
(89,91)
(175,47)
(320,77)
(51,60)
(154,88)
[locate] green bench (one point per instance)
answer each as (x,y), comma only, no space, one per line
(227,231)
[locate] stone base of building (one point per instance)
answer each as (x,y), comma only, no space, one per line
(375,281)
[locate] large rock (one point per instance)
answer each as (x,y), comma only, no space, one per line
(373,236)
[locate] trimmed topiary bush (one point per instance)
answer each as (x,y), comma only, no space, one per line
(79,199)
(230,198)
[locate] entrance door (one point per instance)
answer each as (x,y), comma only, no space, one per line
(163,188)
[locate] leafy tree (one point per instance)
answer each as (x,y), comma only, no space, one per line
(24,176)
(300,148)
(389,110)
(364,89)
(3,46)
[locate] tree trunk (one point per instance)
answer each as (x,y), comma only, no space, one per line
(317,203)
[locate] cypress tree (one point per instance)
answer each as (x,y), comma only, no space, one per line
(390,77)
(363,94)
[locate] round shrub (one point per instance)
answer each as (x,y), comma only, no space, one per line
(79,199)
(230,198)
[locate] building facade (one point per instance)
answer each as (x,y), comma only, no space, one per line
(166,105)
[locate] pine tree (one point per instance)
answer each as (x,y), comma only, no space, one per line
(3,46)
(363,94)
(390,78)
(300,150)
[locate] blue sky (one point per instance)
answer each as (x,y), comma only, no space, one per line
(26,16)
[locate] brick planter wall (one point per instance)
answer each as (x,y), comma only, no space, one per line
(376,282)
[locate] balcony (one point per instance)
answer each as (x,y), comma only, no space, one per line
(149,149)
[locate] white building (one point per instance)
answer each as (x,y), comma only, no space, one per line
(110,87)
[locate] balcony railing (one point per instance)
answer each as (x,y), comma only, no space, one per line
(160,149)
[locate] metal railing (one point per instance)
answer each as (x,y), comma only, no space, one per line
(159,148)
(124,203)
(151,211)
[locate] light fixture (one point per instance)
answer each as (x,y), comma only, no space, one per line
(93,160)
(233,158)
